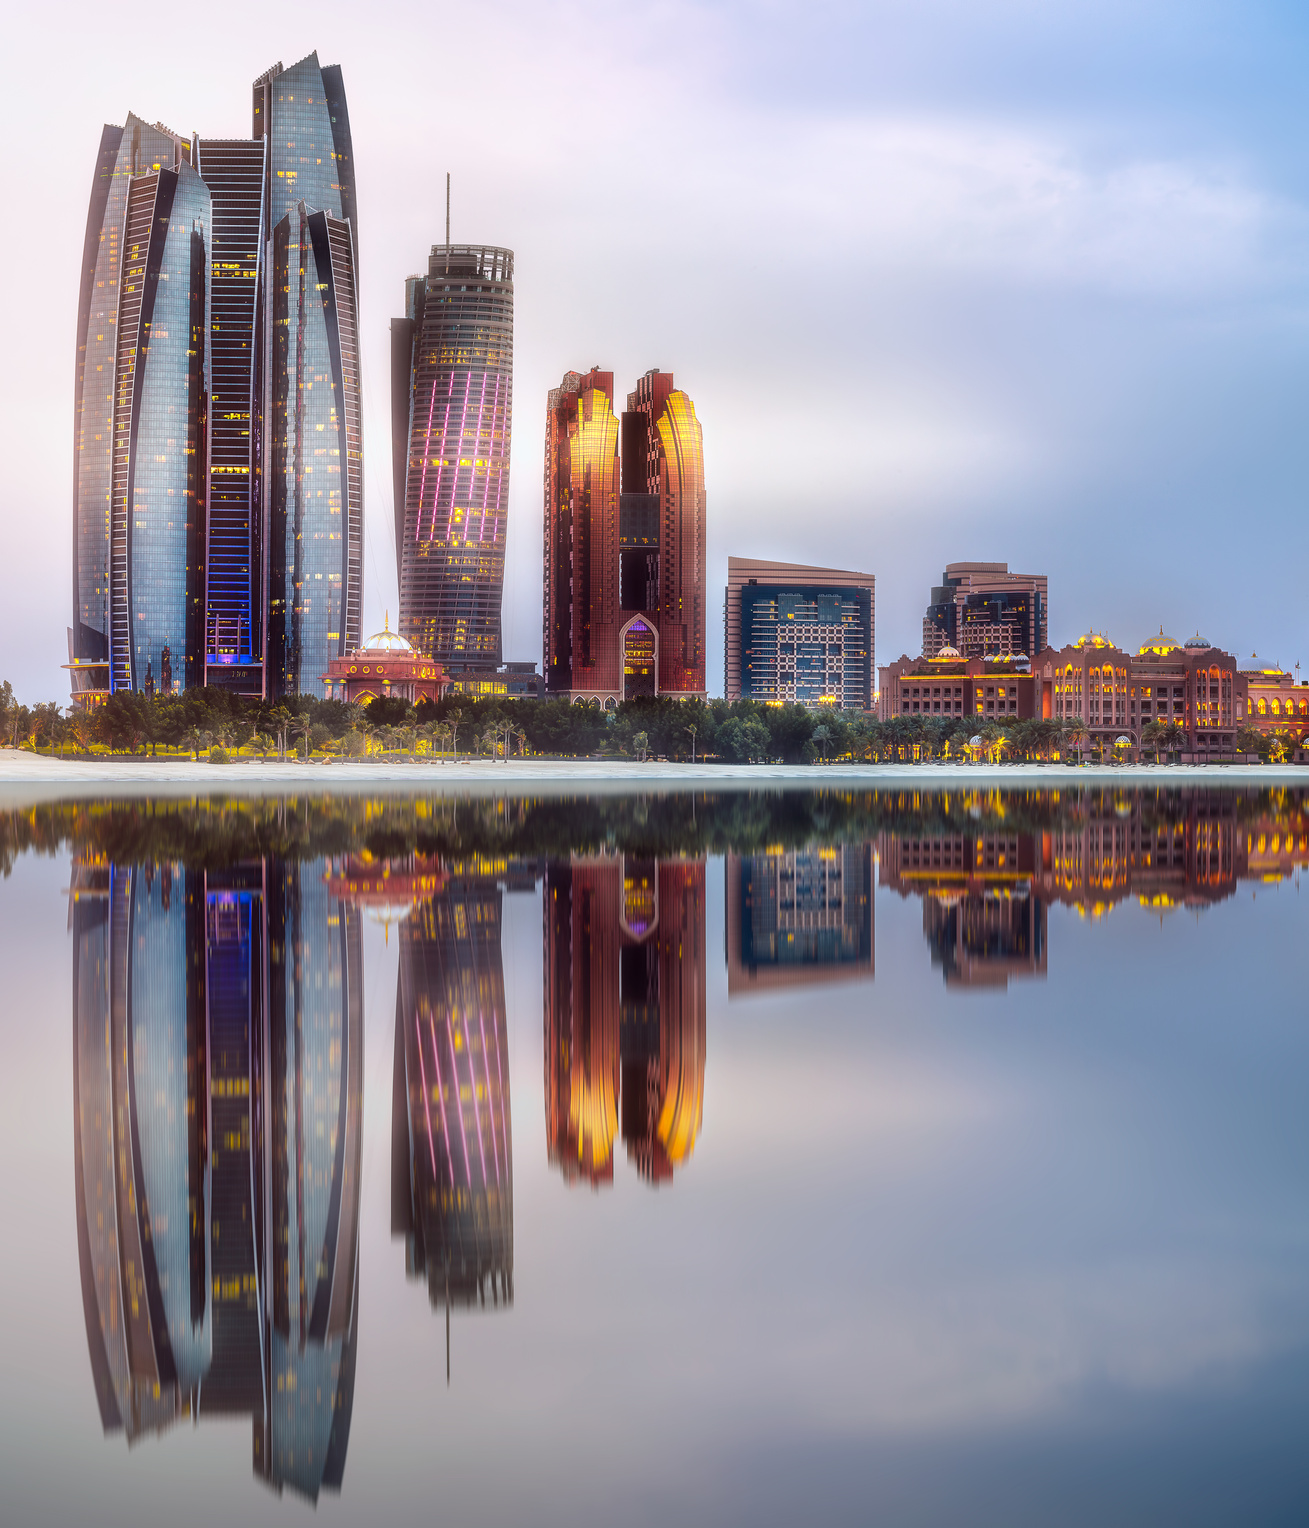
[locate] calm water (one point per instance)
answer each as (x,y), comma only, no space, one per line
(842,1158)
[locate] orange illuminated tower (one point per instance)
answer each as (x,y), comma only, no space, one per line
(624,553)
(581,1017)
(624,1014)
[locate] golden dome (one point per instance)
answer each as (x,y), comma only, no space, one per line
(1093,639)
(1158,644)
(947,654)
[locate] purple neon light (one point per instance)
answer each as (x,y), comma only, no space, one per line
(472,1088)
(427,1108)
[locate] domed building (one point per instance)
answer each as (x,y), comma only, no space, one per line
(1159,646)
(386,666)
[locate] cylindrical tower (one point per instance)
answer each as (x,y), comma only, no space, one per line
(451,402)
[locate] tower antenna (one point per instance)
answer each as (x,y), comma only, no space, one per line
(447,222)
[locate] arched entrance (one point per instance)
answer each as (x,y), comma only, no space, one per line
(640,658)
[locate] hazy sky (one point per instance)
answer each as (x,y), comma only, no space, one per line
(1000,279)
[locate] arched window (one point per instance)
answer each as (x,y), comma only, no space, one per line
(1262,707)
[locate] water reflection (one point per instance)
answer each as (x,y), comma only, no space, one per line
(624,1013)
(218,1055)
(452,1173)
(218,1028)
(797,917)
(982,919)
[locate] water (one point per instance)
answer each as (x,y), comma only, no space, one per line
(740,1158)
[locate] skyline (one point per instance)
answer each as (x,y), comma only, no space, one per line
(1075,304)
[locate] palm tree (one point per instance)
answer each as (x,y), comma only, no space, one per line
(301,727)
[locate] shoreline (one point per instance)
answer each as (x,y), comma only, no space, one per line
(21,771)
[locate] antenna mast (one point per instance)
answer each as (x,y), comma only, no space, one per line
(447,222)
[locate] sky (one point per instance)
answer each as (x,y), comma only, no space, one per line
(946,280)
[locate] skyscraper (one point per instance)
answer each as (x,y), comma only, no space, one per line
(218,479)
(313,447)
(798,635)
(140,404)
(452,372)
(624,541)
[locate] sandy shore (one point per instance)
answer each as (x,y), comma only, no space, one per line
(23,773)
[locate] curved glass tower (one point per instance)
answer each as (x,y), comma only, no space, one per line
(312,419)
(218,480)
(140,408)
(452,367)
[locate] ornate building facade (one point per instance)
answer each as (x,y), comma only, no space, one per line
(624,584)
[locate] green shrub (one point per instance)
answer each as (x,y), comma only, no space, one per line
(219,755)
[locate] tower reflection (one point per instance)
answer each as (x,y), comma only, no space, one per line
(452,1190)
(218,1056)
(624,993)
(799,917)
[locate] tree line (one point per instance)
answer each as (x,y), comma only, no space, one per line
(219,725)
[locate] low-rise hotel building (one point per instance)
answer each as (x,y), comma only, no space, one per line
(1117,694)
(984,689)
(1275,702)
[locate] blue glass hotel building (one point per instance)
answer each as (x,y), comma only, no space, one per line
(218,480)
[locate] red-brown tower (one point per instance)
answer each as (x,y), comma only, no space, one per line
(624,564)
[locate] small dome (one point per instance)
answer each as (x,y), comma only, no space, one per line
(1093,639)
(1159,644)
(1197,642)
(387,641)
(949,654)
(1254,664)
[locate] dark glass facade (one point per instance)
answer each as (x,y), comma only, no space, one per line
(983,610)
(233,169)
(798,635)
(218,493)
(452,371)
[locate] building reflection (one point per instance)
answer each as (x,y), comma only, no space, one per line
(452,1185)
(1191,852)
(624,993)
(799,917)
(982,917)
(218,1069)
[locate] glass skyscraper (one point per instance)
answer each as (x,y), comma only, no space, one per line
(452,374)
(218,483)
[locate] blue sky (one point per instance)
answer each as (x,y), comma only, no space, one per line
(1005,281)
